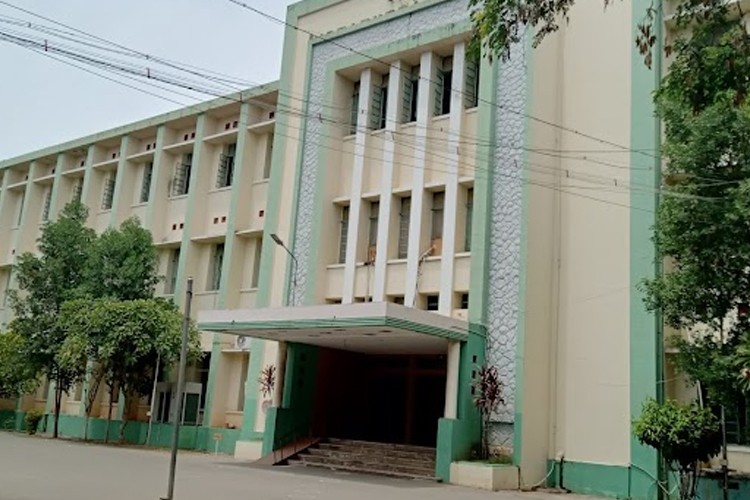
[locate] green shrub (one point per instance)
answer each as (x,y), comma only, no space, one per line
(685,435)
(32,419)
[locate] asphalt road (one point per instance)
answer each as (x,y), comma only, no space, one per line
(33,468)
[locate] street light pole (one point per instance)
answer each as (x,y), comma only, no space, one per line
(180,389)
(280,242)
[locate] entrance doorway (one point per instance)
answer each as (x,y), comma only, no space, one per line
(381,398)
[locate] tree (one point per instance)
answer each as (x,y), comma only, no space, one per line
(45,282)
(499,24)
(17,375)
(704,226)
(685,435)
(125,338)
(123,263)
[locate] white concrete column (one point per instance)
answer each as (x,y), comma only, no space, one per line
(427,74)
(395,84)
(355,207)
(451,380)
(278,393)
(448,262)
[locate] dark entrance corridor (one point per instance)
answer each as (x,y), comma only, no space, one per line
(389,399)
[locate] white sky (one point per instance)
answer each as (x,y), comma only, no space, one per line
(44,102)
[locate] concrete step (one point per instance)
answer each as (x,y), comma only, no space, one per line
(386,457)
(365,464)
(370,444)
(379,472)
(376,451)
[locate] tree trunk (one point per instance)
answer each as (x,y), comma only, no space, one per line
(109,414)
(58,404)
(86,427)
(124,421)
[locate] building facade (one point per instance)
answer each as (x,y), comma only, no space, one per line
(391,215)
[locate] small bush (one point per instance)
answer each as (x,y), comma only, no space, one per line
(32,419)
(685,435)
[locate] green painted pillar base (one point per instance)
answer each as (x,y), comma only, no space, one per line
(455,440)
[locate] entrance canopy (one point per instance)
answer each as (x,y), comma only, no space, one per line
(369,328)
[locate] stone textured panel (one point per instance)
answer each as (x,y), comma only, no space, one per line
(505,235)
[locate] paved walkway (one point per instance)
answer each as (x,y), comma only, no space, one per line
(42,469)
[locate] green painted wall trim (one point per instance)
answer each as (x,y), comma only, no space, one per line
(191,438)
(186,245)
(521,327)
(592,479)
(293,420)
(488,81)
(646,348)
(288,61)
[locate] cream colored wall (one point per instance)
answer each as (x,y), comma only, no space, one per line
(585,86)
(166,144)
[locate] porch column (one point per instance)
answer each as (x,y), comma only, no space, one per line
(451,380)
(357,216)
(278,394)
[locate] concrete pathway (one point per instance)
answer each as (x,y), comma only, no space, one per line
(42,469)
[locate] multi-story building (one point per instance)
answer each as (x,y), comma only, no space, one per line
(390,216)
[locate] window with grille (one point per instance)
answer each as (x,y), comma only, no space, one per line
(148,172)
(172,268)
(464,301)
(355,110)
(269,157)
(217,262)
(108,193)
(226,166)
(7,288)
(21,200)
(256,263)
(469,216)
(379,111)
(374,214)
(443,88)
(471,86)
(404,217)
(738,422)
(411,93)
(344,234)
(433,302)
(438,210)
(47,204)
(78,190)
(181,180)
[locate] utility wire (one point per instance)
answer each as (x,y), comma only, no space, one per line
(109,66)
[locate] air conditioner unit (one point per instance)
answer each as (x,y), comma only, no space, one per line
(242,343)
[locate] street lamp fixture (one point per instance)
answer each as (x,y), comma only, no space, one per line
(295,263)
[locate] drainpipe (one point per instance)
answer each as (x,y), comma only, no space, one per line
(659,265)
